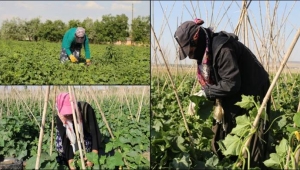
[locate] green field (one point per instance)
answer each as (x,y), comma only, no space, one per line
(126,111)
(37,63)
(173,147)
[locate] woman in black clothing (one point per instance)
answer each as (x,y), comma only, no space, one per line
(227,69)
(66,143)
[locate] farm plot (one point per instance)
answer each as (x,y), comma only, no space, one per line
(126,110)
(37,63)
(173,147)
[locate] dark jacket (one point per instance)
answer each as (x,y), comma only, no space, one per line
(236,69)
(237,73)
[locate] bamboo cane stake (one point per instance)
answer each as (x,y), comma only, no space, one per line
(7,104)
(128,104)
(76,127)
(28,109)
(41,101)
(79,116)
(37,163)
(266,98)
(140,107)
(52,120)
(175,91)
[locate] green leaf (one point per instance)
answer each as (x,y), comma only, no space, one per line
(296,119)
(233,145)
(124,140)
(203,106)
(108,147)
(282,122)
(115,160)
(246,103)
(291,129)
(22,154)
(132,154)
(282,148)
(1,142)
(157,125)
(273,162)
(212,162)
(180,145)
(30,163)
(182,163)
(93,157)
(243,124)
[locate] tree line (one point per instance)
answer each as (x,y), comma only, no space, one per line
(109,29)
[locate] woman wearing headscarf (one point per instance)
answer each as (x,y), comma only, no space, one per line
(226,70)
(66,143)
(72,43)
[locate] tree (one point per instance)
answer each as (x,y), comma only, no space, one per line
(141,29)
(114,28)
(74,23)
(52,31)
(88,25)
(32,28)
(59,29)
(13,29)
(98,37)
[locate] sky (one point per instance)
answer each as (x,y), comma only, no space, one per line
(166,16)
(68,10)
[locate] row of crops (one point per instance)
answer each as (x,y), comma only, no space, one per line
(173,147)
(37,63)
(126,110)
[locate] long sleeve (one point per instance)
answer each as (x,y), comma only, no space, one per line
(87,48)
(94,129)
(68,39)
(229,73)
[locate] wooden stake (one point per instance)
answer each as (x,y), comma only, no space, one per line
(140,108)
(37,163)
(52,120)
(78,113)
(76,127)
(266,98)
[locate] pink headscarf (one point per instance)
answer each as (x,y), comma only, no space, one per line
(63,104)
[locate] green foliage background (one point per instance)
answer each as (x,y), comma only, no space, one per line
(172,147)
(20,133)
(27,63)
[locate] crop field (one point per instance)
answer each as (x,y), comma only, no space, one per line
(126,109)
(37,63)
(172,146)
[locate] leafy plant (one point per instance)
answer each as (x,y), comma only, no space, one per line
(172,147)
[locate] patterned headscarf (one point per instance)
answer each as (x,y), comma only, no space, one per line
(204,69)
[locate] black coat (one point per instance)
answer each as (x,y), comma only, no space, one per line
(237,73)
(235,67)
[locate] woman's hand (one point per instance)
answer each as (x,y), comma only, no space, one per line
(95,151)
(88,163)
(70,164)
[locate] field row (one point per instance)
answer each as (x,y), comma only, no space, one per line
(37,63)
